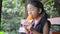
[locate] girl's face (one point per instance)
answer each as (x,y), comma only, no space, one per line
(32,10)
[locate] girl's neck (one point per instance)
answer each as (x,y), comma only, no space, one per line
(38,18)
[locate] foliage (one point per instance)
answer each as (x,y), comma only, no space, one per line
(12,13)
(1,32)
(55,28)
(50,9)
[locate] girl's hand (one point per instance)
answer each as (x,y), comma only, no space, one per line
(30,27)
(25,26)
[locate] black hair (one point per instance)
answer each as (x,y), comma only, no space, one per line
(37,4)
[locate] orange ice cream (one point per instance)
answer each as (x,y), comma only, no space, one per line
(30,17)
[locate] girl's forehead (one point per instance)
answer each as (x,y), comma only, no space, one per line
(30,6)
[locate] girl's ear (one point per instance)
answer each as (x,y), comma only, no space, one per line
(40,10)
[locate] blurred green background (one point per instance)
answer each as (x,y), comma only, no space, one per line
(13,11)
